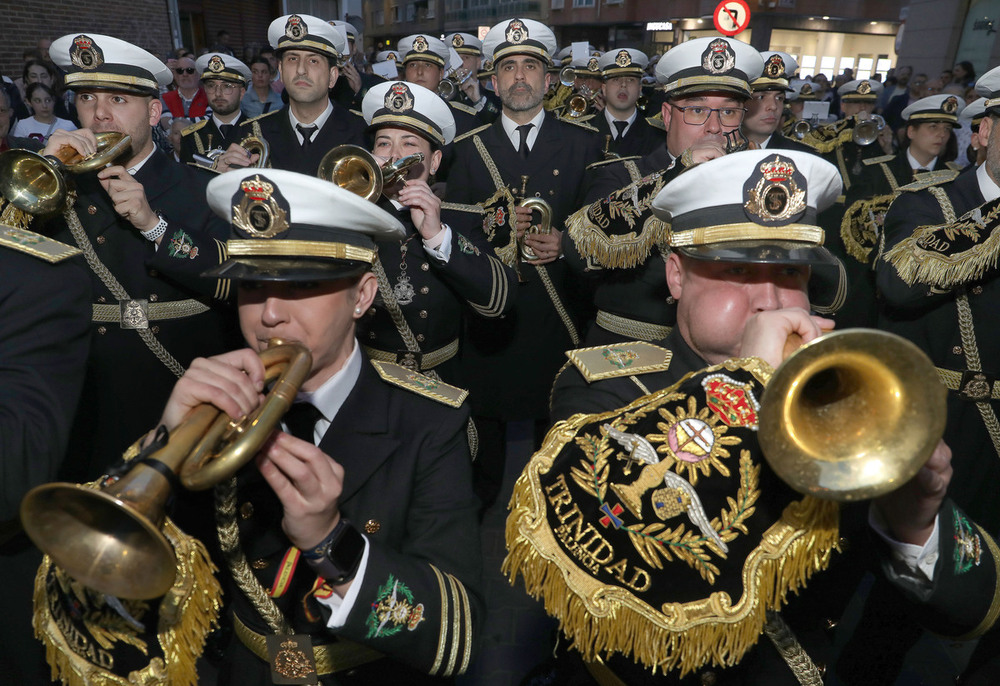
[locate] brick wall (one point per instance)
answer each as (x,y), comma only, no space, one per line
(22,23)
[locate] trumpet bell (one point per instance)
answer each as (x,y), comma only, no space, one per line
(447,89)
(567,76)
(801,129)
(354,169)
(852,415)
(866,131)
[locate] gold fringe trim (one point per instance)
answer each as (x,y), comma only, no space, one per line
(12,216)
(860,230)
(558,98)
(625,250)
(914,263)
(601,620)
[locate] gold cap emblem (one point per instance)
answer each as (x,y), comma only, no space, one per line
(772,193)
(258,213)
(775,67)
(295,28)
(516,31)
(457,40)
(718,57)
(85,54)
(950,105)
(420,44)
(391,56)
(623,58)
(215,65)
(399,98)
(864,88)
(806,89)
(592,64)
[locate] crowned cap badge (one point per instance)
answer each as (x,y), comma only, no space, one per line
(516,31)
(399,98)
(950,105)
(623,58)
(864,88)
(719,57)
(85,54)
(773,192)
(295,28)
(420,44)
(216,65)
(775,67)
(457,40)
(258,211)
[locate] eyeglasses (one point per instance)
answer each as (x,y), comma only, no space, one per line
(184,70)
(696,115)
(226,86)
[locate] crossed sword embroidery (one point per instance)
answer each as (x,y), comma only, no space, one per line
(640,450)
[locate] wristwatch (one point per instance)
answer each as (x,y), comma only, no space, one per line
(336,557)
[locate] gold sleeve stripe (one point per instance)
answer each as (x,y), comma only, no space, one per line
(455,636)
(222,285)
(467,621)
(498,298)
(444,623)
(991,615)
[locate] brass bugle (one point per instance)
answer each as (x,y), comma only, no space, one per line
(257,146)
(109,539)
(866,130)
(567,76)
(852,415)
(209,160)
(36,184)
(355,169)
(544,225)
(801,129)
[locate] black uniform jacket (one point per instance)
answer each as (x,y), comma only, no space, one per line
(638,293)
(640,138)
(959,599)
(781,142)
(472,282)
(205,136)
(287,153)
(127,384)
(510,362)
(407,484)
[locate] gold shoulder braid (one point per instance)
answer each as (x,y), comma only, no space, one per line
(950,254)
(91,639)
(620,231)
(650,531)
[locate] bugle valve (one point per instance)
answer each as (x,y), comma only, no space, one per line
(544,225)
(355,169)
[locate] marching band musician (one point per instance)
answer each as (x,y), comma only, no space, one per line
(530,148)
(225,81)
(622,505)
(470,49)
(425,288)
(299,134)
(622,71)
(765,108)
(707,84)
(352,542)
(425,60)
(146,244)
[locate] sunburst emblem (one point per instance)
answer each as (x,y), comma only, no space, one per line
(693,441)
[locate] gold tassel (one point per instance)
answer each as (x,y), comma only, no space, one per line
(859,230)
(14,217)
(915,264)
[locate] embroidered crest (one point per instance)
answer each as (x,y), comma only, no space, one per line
(733,402)
(291,662)
(864,88)
(950,105)
(393,610)
(457,40)
(806,89)
(399,98)
(259,212)
(592,64)
(775,67)
(215,65)
(181,246)
(773,193)
(619,357)
(516,31)
(85,53)
(718,57)
(420,44)
(975,386)
(295,27)
(425,382)
(968,547)
(467,246)
(623,58)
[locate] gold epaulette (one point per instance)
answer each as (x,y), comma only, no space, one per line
(612,160)
(877,160)
(462,207)
(357,113)
(928,179)
(35,244)
(473,132)
(260,116)
(619,359)
(462,107)
(398,375)
(188,130)
(656,121)
(953,166)
(583,124)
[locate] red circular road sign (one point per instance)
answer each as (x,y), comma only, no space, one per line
(731,17)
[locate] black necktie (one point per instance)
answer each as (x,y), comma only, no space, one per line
(307,134)
(225,130)
(301,420)
(922,170)
(522,148)
(620,125)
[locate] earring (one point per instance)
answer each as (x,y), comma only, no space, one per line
(357,310)
(671,300)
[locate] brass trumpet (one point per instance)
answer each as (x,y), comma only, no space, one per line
(544,225)
(866,130)
(36,185)
(801,129)
(355,169)
(567,76)
(852,415)
(580,103)
(110,539)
